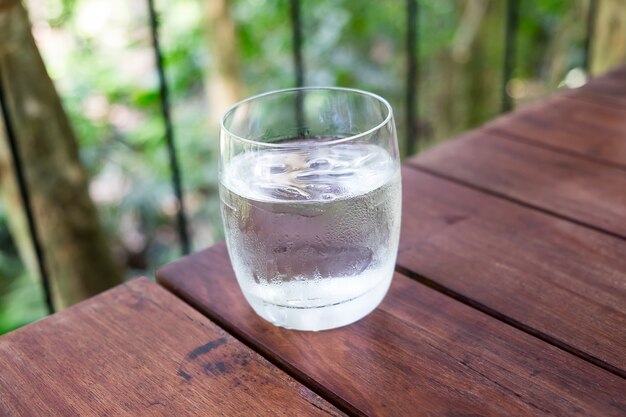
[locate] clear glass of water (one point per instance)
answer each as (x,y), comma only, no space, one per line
(311,198)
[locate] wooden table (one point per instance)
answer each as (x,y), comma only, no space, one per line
(137,350)
(509,300)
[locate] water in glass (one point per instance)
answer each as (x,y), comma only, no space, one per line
(312,231)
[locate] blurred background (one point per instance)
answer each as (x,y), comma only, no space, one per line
(88,126)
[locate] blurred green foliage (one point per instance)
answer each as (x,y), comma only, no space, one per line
(99,54)
(21,298)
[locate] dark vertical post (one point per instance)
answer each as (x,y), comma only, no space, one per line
(25,197)
(411,78)
(296,30)
(298,66)
(169,131)
(512,18)
(591,26)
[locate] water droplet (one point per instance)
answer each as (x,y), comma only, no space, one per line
(280,249)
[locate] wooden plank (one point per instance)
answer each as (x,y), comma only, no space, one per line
(138,350)
(560,281)
(608,89)
(611,84)
(419,353)
(587,128)
(588,93)
(581,190)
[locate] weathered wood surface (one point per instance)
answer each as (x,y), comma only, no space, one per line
(581,127)
(576,188)
(553,278)
(609,88)
(139,351)
(419,353)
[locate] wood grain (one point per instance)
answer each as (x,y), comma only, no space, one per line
(138,351)
(560,281)
(420,353)
(587,128)
(578,189)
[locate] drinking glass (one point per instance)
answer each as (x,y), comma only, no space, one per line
(311,199)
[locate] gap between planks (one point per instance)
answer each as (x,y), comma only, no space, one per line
(275,360)
(339,402)
(476,305)
(517,201)
(494,313)
(517,138)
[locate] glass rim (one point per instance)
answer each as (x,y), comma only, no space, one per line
(234,107)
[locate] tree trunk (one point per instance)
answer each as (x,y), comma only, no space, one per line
(77,255)
(16,219)
(608,49)
(224,77)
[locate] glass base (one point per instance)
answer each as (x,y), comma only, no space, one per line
(321,318)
